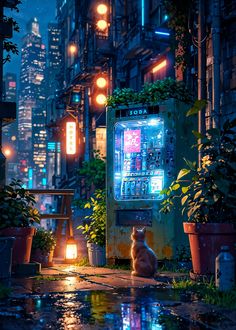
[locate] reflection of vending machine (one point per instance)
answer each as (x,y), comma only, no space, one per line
(141,160)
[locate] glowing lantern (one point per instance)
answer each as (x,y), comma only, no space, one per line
(101,99)
(102,24)
(71,250)
(101,82)
(102,9)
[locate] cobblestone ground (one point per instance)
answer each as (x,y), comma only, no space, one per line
(73,297)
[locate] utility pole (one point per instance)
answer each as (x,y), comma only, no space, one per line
(2,157)
(86,125)
(215,34)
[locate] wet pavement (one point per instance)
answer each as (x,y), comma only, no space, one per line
(72,297)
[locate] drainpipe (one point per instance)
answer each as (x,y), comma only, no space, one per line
(201,68)
(215,32)
(86,125)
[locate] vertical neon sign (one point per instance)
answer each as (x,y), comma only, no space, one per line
(70,138)
(143,9)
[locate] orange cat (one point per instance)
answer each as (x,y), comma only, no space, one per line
(144,259)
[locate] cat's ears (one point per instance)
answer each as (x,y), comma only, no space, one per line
(135,230)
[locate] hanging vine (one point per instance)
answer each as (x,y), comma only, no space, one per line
(179,12)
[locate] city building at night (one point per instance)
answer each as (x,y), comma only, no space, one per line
(9,137)
(32,98)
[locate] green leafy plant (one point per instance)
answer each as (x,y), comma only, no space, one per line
(43,240)
(94,172)
(8,46)
(207,292)
(151,94)
(208,193)
(17,206)
(94,226)
(4,291)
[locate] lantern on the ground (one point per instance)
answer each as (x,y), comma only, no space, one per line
(71,250)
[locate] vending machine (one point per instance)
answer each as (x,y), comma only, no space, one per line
(145,150)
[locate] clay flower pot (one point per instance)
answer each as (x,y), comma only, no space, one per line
(22,246)
(205,241)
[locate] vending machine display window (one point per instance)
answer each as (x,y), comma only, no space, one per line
(138,159)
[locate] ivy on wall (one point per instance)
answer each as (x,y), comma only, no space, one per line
(179,12)
(151,94)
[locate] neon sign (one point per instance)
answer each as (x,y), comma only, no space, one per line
(70,138)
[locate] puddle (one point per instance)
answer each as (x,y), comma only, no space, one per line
(125,309)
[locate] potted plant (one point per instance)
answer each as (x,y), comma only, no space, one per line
(17,216)
(207,196)
(94,228)
(43,246)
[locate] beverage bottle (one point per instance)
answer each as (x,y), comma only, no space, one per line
(127,188)
(224,270)
(132,187)
(123,188)
(144,160)
(138,162)
(138,188)
(133,163)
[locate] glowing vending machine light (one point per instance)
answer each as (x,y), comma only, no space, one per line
(141,161)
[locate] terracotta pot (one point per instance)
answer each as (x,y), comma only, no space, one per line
(205,243)
(44,258)
(22,246)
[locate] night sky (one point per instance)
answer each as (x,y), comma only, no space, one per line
(44,10)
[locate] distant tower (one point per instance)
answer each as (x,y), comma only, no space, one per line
(32,98)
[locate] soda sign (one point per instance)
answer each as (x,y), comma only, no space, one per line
(132,140)
(137,112)
(70,138)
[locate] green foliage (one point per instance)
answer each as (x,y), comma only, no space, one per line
(84,262)
(94,171)
(208,193)
(207,292)
(17,206)
(94,227)
(178,12)
(9,46)
(151,94)
(4,291)
(43,240)
(49,278)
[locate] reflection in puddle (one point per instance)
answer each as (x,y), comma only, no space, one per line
(125,309)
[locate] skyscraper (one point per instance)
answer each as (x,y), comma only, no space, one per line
(54,57)
(32,105)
